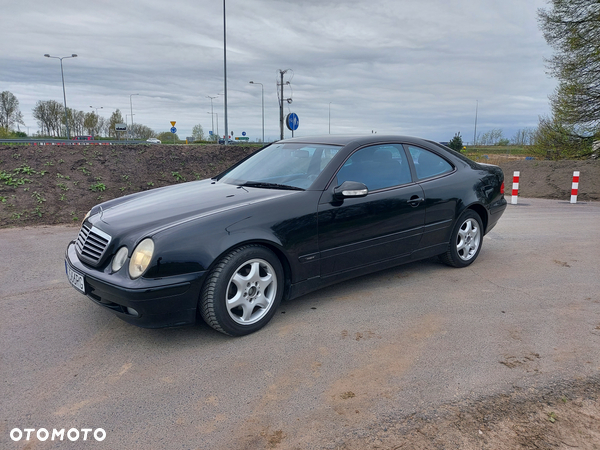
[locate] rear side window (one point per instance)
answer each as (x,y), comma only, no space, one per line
(428,164)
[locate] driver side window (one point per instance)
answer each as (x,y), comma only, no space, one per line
(377,167)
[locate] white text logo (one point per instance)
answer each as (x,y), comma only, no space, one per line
(73,434)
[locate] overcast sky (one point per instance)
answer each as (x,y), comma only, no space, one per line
(413,67)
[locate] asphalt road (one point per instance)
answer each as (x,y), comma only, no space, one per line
(329,366)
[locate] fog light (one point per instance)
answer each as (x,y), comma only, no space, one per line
(132,312)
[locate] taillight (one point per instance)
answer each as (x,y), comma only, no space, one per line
(502,188)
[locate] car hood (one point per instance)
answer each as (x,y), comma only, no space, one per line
(152,211)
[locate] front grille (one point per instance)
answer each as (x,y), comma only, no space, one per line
(91,244)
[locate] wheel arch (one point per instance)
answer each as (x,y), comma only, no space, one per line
(277,251)
(482,213)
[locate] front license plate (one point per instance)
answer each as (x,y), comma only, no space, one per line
(75,279)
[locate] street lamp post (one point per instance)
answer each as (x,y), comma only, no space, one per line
(63,85)
(131,111)
(97,108)
(329,117)
(262,88)
(216,114)
(212,126)
(225,73)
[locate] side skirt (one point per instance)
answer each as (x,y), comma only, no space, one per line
(313,284)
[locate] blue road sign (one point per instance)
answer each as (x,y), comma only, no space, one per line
(210,133)
(243,133)
(173,130)
(292,121)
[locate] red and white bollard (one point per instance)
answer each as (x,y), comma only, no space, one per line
(515,189)
(575,187)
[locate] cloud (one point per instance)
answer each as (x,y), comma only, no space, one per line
(410,67)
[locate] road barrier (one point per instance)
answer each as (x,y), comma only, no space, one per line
(515,188)
(49,141)
(575,187)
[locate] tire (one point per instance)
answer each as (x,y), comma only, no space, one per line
(243,291)
(465,242)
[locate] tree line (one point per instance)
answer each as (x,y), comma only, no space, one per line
(50,117)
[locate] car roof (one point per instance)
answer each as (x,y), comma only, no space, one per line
(333,139)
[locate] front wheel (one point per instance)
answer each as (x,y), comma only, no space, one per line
(243,291)
(465,242)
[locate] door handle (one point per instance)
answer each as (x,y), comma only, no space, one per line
(415,200)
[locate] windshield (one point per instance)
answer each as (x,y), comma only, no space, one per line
(283,165)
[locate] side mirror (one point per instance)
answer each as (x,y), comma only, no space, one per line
(350,189)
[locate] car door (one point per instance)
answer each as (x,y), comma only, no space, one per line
(436,176)
(384,225)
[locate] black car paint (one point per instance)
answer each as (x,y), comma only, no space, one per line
(319,239)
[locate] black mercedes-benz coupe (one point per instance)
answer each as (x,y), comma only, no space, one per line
(295,216)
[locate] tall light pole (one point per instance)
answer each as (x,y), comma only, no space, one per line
(475,132)
(212,127)
(63,84)
(131,110)
(97,108)
(216,114)
(329,117)
(262,88)
(225,72)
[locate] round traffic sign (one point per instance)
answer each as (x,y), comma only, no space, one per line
(243,133)
(292,121)
(173,130)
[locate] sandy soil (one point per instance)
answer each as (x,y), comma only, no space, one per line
(561,416)
(551,179)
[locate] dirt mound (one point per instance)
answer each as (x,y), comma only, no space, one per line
(553,179)
(43,185)
(59,184)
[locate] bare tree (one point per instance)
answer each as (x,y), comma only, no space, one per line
(9,111)
(102,128)
(198,133)
(139,131)
(49,115)
(524,136)
(76,121)
(491,137)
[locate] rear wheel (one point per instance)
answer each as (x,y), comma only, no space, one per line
(243,291)
(465,242)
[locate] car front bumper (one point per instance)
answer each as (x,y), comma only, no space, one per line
(152,303)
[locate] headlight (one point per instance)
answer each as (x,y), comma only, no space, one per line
(119,259)
(86,216)
(140,259)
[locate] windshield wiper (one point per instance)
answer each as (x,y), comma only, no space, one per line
(262,184)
